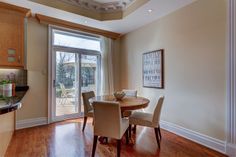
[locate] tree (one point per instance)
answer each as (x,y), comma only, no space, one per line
(62,68)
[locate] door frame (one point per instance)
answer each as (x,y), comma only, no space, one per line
(53,104)
(231,79)
(51,73)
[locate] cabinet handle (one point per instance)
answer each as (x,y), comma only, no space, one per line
(18,59)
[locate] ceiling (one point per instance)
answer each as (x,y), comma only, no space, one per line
(138,18)
(101,10)
(101,5)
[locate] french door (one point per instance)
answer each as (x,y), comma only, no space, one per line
(73,71)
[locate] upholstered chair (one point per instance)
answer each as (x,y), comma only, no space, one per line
(109,123)
(88,109)
(148,119)
(129,93)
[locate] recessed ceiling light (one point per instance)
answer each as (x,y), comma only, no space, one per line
(149,10)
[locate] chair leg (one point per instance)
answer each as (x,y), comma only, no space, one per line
(134,129)
(127,136)
(157,138)
(95,138)
(118,147)
(85,121)
(106,140)
(130,126)
(159,130)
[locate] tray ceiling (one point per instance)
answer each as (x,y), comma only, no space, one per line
(96,9)
(101,5)
(133,21)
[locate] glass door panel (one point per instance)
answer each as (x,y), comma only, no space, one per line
(75,68)
(66,84)
(89,74)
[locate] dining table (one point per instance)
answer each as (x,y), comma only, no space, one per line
(126,103)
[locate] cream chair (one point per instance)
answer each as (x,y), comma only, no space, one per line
(108,123)
(88,109)
(65,94)
(129,93)
(149,120)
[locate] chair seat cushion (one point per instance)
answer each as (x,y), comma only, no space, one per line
(141,118)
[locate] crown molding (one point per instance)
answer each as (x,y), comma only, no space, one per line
(101,7)
(62,23)
(26,12)
(92,13)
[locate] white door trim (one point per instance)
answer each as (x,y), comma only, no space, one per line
(231,80)
(49,74)
(54,117)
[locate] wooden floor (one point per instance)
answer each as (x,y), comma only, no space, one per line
(65,139)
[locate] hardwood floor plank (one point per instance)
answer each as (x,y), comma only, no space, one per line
(66,139)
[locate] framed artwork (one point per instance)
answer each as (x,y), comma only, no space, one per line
(153,66)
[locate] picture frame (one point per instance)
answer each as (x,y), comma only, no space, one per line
(153,69)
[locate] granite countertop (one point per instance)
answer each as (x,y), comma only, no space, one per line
(13,103)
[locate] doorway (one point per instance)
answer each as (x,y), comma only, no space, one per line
(74,70)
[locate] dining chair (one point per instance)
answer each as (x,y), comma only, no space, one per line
(65,94)
(88,109)
(129,93)
(148,119)
(109,123)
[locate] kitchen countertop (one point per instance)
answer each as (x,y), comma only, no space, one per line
(13,103)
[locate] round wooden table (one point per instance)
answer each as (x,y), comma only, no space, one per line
(127,103)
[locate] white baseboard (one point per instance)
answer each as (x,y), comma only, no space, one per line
(207,141)
(27,123)
(231,149)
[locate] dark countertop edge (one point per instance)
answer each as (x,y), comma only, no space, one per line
(22,88)
(16,105)
(10,108)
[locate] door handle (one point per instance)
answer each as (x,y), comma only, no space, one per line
(54,83)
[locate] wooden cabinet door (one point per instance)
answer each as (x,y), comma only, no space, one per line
(11,39)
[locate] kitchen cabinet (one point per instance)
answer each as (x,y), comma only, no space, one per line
(12,30)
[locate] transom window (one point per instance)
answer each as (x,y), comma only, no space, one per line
(73,40)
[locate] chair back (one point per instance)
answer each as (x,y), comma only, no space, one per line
(86,96)
(107,119)
(157,111)
(63,90)
(130,92)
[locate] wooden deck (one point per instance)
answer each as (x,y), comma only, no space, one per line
(66,106)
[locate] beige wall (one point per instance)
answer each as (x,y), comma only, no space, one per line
(194,39)
(35,100)
(6,130)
